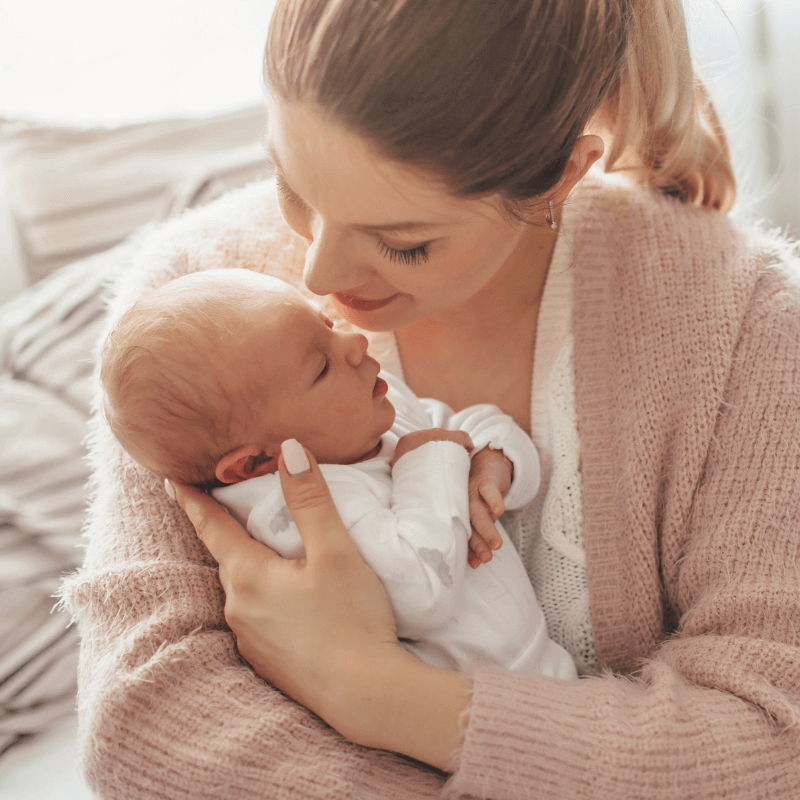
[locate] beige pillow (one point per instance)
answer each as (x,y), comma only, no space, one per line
(73,192)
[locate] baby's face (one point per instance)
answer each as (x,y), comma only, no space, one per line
(306,379)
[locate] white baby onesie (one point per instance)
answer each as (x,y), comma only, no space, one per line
(411,525)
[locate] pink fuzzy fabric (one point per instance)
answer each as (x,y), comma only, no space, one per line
(687,359)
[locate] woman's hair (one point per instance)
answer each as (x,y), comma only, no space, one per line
(492,95)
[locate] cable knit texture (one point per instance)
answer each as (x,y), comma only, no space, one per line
(687,391)
(557,563)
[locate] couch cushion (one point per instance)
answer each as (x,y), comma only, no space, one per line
(73,192)
(76,192)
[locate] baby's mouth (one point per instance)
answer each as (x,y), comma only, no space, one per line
(380,388)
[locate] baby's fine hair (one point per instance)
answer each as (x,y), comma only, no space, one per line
(492,95)
(164,400)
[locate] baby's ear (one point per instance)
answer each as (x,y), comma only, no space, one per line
(247,461)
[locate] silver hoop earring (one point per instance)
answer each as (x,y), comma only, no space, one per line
(551,217)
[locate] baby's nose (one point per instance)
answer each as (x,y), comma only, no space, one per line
(355,348)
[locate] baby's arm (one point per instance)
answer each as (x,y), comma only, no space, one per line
(424,568)
(488,426)
(495,482)
(417,544)
(411,441)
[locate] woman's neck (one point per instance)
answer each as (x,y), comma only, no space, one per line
(483,351)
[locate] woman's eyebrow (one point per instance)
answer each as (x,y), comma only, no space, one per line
(401,226)
(394,227)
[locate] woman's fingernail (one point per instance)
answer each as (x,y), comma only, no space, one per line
(295,458)
(169,489)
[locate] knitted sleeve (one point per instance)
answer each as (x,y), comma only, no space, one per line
(167,709)
(714,711)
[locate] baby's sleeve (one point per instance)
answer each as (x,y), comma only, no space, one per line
(419,546)
(488,426)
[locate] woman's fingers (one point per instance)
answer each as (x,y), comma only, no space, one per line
(227,541)
(489,464)
(309,501)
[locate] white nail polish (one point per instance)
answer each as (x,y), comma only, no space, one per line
(169,489)
(295,458)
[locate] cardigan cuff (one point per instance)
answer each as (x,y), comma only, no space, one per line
(522,732)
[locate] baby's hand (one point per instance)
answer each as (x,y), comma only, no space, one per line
(489,480)
(411,441)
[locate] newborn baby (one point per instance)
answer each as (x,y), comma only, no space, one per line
(206,376)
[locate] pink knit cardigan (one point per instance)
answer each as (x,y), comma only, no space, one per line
(687,359)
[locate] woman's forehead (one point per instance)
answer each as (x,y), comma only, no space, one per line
(339,174)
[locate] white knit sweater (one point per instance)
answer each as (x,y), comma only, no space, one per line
(548,531)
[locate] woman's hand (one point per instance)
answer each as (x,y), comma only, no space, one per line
(318,628)
(321,628)
(490,476)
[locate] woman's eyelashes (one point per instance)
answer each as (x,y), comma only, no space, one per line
(411,255)
(287,194)
(324,371)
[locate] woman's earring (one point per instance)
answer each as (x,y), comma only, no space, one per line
(551,217)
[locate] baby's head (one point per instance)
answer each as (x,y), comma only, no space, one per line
(206,376)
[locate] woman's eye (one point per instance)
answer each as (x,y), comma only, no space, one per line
(413,255)
(324,369)
(287,194)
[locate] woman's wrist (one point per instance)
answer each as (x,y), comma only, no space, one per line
(393,701)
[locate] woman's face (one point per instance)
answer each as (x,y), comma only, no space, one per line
(390,244)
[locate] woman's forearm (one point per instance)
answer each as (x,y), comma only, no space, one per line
(401,704)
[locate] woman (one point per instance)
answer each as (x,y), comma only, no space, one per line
(433,158)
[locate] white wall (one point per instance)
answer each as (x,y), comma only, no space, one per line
(749,53)
(101,62)
(98,62)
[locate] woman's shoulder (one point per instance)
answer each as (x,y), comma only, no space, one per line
(639,230)
(614,201)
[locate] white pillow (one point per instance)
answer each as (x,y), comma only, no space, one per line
(76,192)
(73,192)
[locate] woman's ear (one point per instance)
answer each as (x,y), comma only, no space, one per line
(588,149)
(247,461)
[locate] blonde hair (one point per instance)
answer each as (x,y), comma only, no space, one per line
(164,400)
(492,96)
(662,122)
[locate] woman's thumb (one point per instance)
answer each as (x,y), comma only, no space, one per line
(308,497)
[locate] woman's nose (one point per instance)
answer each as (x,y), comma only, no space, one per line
(328,266)
(355,347)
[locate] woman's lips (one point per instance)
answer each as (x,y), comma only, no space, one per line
(381,387)
(362,304)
